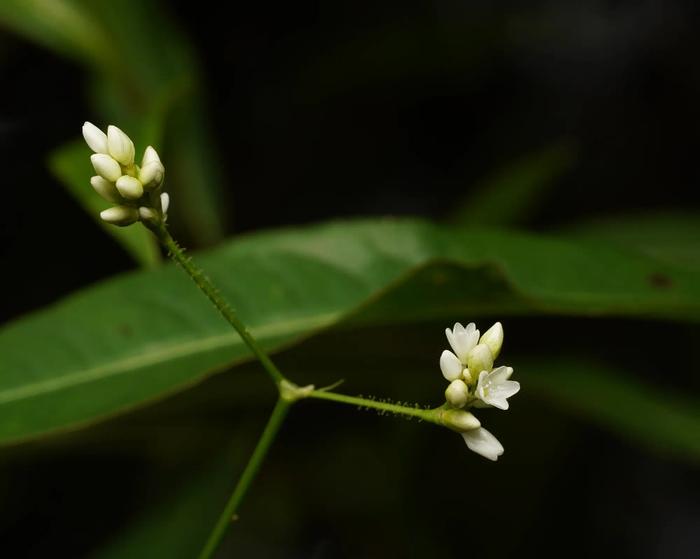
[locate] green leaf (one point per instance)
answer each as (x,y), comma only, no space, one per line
(510,195)
(147,334)
(669,236)
(71,165)
(645,414)
(60,25)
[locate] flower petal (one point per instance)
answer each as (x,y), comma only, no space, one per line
(451,338)
(483,442)
(450,366)
(462,339)
(500,374)
(492,389)
(507,388)
(95,138)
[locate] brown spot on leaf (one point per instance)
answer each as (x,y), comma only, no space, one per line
(660,281)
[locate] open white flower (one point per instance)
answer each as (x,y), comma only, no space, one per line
(482,442)
(494,388)
(462,340)
(474,383)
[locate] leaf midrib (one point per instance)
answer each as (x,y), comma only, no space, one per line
(163,353)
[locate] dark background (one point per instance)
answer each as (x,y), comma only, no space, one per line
(324,110)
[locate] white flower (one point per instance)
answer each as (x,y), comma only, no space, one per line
(151,174)
(129,187)
(475,383)
(124,184)
(493,337)
(150,155)
(165,202)
(460,420)
(482,442)
(120,146)
(106,167)
(457,393)
(494,388)
(95,138)
(120,215)
(152,170)
(479,359)
(462,339)
(450,366)
(106,189)
(147,214)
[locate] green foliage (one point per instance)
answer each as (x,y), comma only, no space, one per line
(617,401)
(667,236)
(148,334)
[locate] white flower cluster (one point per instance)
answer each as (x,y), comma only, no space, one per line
(475,382)
(135,190)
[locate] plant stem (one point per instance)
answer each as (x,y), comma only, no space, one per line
(246,479)
(430,415)
(208,288)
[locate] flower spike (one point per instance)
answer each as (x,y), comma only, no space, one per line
(475,383)
(135,192)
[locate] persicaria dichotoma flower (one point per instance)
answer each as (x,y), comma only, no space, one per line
(135,191)
(469,367)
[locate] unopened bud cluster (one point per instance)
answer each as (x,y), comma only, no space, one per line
(135,191)
(474,382)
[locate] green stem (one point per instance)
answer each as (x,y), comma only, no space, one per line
(430,415)
(208,288)
(246,479)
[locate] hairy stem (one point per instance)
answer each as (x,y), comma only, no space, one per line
(429,415)
(208,288)
(247,478)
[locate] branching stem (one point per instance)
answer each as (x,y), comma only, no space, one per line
(288,391)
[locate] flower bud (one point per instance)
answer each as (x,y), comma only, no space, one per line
(493,337)
(95,138)
(106,167)
(457,393)
(151,175)
(479,359)
(165,202)
(150,155)
(450,366)
(106,189)
(148,215)
(129,187)
(467,376)
(120,146)
(460,421)
(120,215)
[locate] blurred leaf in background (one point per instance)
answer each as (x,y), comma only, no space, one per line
(146,335)
(668,236)
(516,190)
(145,79)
